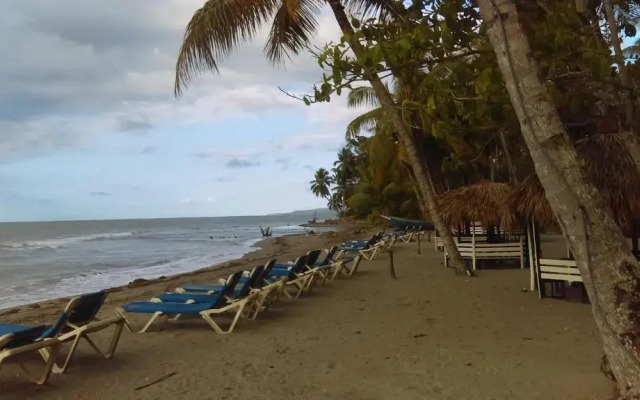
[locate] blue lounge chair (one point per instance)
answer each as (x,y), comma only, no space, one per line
(311,260)
(254,280)
(232,286)
(297,275)
(83,322)
(257,282)
(370,249)
(217,306)
(16,340)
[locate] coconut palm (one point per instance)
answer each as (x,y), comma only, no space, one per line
(220,26)
(320,183)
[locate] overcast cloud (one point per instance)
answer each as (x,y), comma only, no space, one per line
(87,99)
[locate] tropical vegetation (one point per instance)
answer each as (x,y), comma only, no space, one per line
(458,91)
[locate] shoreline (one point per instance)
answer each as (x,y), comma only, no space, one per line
(141,288)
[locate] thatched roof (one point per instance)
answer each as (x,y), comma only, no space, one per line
(528,200)
(483,201)
(613,172)
(610,168)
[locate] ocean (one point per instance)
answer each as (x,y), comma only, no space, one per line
(46,260)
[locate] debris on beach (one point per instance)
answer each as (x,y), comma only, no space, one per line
(137,282)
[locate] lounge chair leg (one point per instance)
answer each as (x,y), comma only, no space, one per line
(114,341)
(49,363)
(56,368)
(207,317)
(213,324)
(157,315)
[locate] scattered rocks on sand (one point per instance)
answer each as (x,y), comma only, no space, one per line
(137,282)
(9,312)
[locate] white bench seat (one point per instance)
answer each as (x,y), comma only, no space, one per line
(559,270)
(554,270)
(489,251)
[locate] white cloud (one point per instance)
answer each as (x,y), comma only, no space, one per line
(118,65)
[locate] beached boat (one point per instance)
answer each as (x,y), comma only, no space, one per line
(403,223)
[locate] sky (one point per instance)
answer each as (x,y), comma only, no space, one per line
(90,128)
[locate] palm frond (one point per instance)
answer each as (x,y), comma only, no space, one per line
(362,96)
(215,30)
(292,28)
(382,9)
(364,122)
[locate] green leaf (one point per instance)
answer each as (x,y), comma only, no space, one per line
(431,104)
(355,23)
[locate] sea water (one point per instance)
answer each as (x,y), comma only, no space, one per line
(46,260)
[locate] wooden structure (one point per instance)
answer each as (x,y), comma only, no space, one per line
(613,172)
(489,251)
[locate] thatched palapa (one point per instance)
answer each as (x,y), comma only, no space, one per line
(610,168)
(483,201)
(528,201)
(613,172)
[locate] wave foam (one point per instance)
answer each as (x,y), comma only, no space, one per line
(57,243)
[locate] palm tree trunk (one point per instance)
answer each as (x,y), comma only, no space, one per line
(610,273)
(416,189)
(421,173)
(507,154)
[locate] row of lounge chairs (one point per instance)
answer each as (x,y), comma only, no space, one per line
(243,294)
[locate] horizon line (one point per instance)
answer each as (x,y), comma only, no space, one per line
(159,218)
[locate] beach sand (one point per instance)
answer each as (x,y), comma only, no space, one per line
(426,335)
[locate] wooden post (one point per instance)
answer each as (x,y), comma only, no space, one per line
(419,249)
(532,278)
(392,269)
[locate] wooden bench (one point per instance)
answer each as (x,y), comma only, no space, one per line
(556,270)
(489,251)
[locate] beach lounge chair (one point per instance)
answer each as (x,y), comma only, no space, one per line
(82,322)
(238,292)
(266,291)
(218,305)
(309,271)
(345,267)
(296,276)
(17,340)
(325,265)
(370,250)
(242,288)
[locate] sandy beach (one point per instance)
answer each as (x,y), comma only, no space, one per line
(426,335)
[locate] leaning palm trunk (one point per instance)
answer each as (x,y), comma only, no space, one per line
(513,177)
(421,172)
(610,273)
(416,189)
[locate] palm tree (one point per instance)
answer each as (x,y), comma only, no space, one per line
(320,183)
(602,253)
(216,30)
(335,204)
